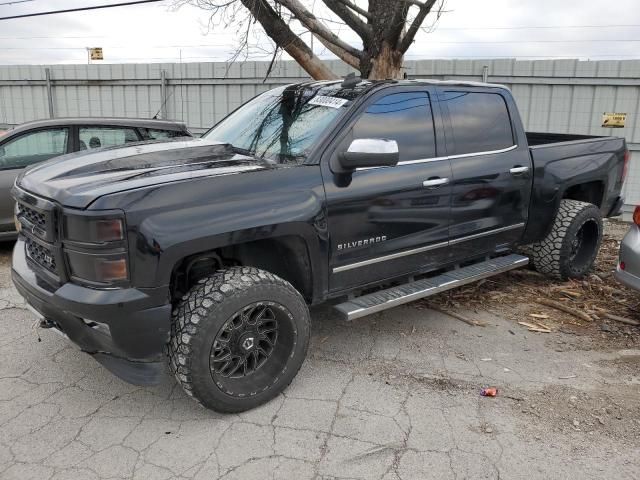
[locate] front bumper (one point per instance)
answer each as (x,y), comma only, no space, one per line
(124,329)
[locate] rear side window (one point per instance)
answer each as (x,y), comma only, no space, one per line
(154,134)
(98,137)
(403,117)
(480,122)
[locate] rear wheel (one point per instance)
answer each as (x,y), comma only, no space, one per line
(570,249)
(238,338)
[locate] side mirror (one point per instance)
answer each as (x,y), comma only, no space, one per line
(369,152)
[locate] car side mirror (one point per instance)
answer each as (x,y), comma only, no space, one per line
(369,152)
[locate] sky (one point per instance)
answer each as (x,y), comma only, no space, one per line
(158,32)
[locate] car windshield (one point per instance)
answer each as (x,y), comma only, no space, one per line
(281,125)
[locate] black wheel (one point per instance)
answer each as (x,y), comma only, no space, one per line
(238,338)
(571,247)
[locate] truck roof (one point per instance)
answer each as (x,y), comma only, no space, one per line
(457,83)
(367,85)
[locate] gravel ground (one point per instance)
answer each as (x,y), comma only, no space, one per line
(391,396)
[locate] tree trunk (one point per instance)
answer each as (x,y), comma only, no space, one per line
(385,65)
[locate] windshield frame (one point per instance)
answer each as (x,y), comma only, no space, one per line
(312,157)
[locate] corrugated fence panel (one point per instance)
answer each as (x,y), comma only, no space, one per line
(565,96)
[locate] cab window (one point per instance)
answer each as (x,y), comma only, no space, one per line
(480,122)
(403,117)
(33,147)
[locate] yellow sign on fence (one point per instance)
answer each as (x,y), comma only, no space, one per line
(96,53)
(613,120)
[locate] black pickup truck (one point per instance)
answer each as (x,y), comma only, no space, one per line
(365,194)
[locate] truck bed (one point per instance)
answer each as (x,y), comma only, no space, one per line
(562,161)
(547,148)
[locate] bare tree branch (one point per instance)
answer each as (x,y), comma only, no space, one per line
(283,36)
(271,64)
(354,22)
(387,29)
(406,41)
(356,8)
(417,3)
(340,48)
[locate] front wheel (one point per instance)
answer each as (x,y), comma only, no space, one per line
(571,247)
(238,338)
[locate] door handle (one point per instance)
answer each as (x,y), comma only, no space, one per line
(435,182)
(518,170)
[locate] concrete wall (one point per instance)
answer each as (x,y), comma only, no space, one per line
(552,95)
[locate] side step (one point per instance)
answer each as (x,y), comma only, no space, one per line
(392,297)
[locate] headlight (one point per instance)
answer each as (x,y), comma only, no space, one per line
(82,229)
(98,268)
(95,247)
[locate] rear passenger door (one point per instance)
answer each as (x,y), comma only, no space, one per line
(389,221)
(491,170)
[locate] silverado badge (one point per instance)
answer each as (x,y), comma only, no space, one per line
(361,243)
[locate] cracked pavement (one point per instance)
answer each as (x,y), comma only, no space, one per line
(392,396)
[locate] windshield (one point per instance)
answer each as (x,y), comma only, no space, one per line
(281,125)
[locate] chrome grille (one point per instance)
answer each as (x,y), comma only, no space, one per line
(41,255)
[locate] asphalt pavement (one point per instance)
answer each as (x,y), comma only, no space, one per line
(392,396)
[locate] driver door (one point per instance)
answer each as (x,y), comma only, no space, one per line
(389,221)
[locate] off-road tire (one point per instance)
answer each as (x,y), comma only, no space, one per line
(205,311)
(553,256)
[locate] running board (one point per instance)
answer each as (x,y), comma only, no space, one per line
(392,297)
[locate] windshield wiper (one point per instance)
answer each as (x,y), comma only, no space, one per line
(249,153)
(243,151)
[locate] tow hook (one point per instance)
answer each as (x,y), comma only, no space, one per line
(46,323)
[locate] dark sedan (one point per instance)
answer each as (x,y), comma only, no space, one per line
(41,140)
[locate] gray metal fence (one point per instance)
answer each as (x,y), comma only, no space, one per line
(552,95)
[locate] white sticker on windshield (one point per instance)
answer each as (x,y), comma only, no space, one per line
(325,101)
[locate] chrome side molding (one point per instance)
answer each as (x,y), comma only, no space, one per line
(426,248)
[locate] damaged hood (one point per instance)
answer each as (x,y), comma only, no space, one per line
(77,179)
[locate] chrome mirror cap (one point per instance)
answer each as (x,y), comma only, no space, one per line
(373,146)
(367,153)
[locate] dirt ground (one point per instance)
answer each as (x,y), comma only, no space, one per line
(518,294)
